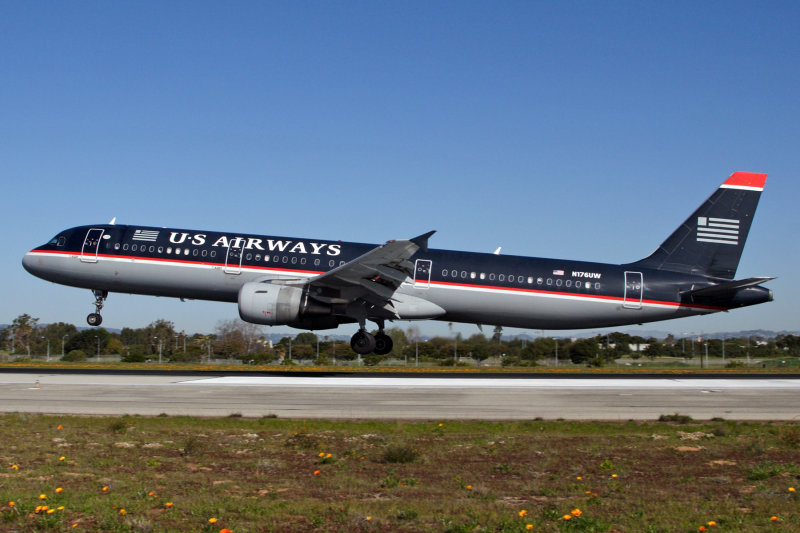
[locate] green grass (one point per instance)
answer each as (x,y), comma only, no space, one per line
(285,475)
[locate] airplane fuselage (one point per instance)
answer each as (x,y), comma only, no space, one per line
(513,291)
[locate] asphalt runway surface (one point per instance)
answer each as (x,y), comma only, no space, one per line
(377,397)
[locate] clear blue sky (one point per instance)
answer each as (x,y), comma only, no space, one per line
(584,130)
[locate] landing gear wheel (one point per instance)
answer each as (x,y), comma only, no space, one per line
(362,342)
(383,344)
(94,319)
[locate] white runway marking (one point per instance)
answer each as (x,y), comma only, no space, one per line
(498,383)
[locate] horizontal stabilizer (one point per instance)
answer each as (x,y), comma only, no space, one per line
(724,289)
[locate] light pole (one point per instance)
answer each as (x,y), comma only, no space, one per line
(98,346)
(159,349)
(62,345)
(48,348)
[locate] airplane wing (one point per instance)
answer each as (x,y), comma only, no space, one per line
(373,277)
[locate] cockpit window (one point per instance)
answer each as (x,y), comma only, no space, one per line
(58,241)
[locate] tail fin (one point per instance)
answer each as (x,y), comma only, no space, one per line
(711,241)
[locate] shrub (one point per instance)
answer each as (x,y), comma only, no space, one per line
(74,355)
(400,454)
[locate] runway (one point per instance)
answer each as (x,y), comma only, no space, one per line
(446,398)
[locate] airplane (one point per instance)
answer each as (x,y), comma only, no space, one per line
(319,284)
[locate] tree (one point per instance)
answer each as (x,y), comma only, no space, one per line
(89,341)
(23,329)
(583,350)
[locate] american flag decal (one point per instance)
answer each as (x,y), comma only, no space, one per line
(145,235)
(718,230)
(558,272)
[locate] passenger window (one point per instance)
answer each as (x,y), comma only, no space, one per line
(116,246)
(177,251)
(578,284)
(331,263)
(463,274)
(302,260)
(501,277)
(169,249)
(249,257)
(194,252)
(520,279)
(316,262)
(294,260)
(161,249)
(483,275)
(539,281)
(569,283)
(341,263)
(204,253)
(530,280)
(491,276)
(185,251)
(258,257)
(152,249)
(549,281)
(597,286)
(444,273)
(454,273)
(125,247)
(134,247)
(285,259)
(213,253)
(558,283)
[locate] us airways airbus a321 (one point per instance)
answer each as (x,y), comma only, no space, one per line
(320,284)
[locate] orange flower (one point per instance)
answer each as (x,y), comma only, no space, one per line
(712,524)
(212,520)
(59,490)
(11,504)
(60,427)
(105,488)
(701,528)
(168,505)
(321,454)
(567,517)
(225,530)
(468,487)
(15,467)
(576,512)
(792,489)
(42,496)
(151,493)
(774,518)
(528,527)
(122,511)
(316,472)
(62,458)
(523,513)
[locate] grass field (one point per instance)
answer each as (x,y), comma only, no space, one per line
(196,474)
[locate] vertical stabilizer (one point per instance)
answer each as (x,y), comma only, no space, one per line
(711,241)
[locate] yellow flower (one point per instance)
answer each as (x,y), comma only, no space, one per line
(576,512)
(59,490)
(579,478)
(15,467)
(468,487)
(712,524)
(529,526)
(567,517)
(122,511)
(321,454)
(614,476)
(60,507)
(523,513)
(212,520)
(42,496)
(369,518)
(11,504)
(791,489)
(328,456)
(105,488)
(168,505)
(62,458)
(51,511)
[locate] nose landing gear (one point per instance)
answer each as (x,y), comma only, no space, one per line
(94,319)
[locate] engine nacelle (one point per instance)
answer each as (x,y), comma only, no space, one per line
(270,304)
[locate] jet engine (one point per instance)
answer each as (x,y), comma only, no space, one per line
(275,304)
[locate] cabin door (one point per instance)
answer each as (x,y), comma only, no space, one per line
(233,259)
(634,288)
(422,273)
(91,245)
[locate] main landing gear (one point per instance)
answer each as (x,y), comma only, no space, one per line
(363,342)
(94,319)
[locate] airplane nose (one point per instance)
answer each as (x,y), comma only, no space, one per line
(29,263)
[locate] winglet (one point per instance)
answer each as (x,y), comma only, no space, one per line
(422,240)
(750,181)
